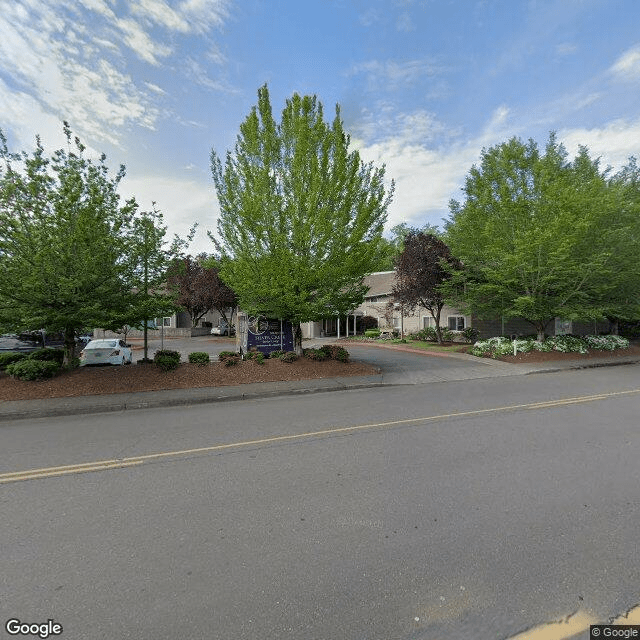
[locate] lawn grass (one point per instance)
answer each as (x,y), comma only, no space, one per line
(419,344)
(432,346)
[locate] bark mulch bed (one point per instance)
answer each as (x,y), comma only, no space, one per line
(131,378)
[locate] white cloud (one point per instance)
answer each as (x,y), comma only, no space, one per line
(614,143)
(68,61)
(203,15)
(566,49)
(428,174)
(159,12)
(405,23)
(369,17)
(392,74)
(56,73)
(627,66)
(199,74)
(140,42)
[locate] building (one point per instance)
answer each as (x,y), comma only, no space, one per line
(380,286)
(379,296)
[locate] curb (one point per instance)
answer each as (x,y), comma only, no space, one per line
(87,405)
(82,406)
(586,365)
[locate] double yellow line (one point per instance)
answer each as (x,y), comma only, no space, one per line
(121,463)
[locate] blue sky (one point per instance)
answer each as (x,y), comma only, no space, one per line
(423,85)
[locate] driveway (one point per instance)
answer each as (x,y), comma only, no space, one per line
(212,345)
(407,367)
(397,366)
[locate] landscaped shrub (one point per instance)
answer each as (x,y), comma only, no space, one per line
(606,343)
(276,354)
(256,356)
(48,354)
(372,333)
(494,347)
(224,355)
(28,369)
(470,334)
(232,359)
(199,357)
(447,335)
(366,322)
(428,334)
(340,354)
(315,354)
(10,357)
(166,359)
(335,352)
(289,356)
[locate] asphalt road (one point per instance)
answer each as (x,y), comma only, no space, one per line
(472,509)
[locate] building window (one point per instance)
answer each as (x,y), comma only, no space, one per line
(428,321)
(166,322)
(456,323)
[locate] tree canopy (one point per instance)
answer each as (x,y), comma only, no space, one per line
(62,238)
(301,215)
(421,269)
(543,237)
(73,256)
(146,258)
(199,287)
(391,248)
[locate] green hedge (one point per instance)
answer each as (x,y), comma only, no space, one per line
(28,369)
(199,357)
(166,359)
(9,357)
(48,354)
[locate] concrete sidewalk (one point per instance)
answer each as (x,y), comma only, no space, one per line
(483,368)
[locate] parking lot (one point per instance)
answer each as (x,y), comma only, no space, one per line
(212,345)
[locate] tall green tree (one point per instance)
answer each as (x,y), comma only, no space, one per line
(626,240)
(301,215)
(540,236)
(63,232)
(147,257)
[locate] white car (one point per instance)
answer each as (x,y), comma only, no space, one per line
(106,351)
(223,329)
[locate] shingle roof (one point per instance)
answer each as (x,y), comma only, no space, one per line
(380,283)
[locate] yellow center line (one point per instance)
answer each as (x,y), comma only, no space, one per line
(117,463)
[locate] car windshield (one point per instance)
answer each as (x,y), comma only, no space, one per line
(102,344)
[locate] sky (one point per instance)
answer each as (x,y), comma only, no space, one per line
(423,85)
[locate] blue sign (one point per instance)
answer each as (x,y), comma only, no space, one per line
(269,334)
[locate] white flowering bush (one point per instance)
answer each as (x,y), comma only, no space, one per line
(606,343)
(494,347)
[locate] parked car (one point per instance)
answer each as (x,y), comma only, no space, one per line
(11,342)
(223,329)
(106,351)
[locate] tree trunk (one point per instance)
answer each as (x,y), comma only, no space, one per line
(69,346)
(145,329)
(436,317)
(297,339)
